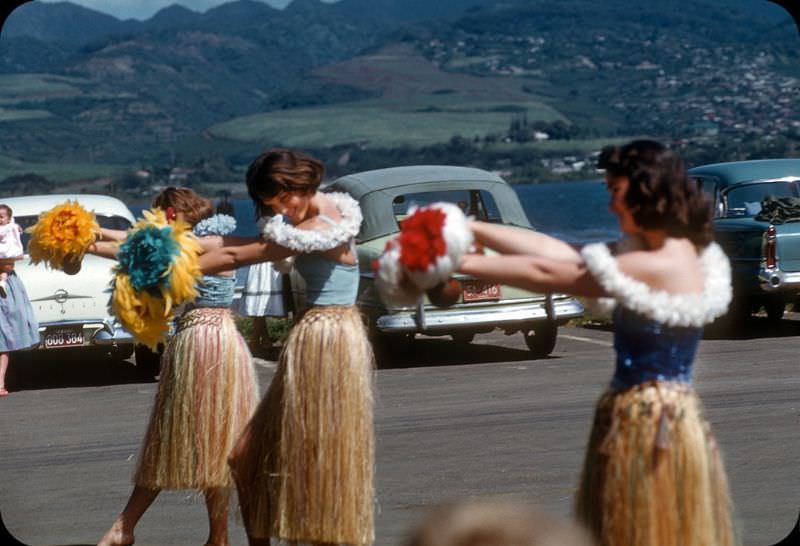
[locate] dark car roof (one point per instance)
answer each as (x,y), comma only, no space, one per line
(376,190)
(744,171)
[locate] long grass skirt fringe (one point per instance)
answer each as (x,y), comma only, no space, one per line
(207,393)
(304,466)
(653,475)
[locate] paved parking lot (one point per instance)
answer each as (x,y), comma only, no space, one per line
(452,421)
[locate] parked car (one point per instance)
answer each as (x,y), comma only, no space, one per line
(385,197)
(72,309)
(764,250)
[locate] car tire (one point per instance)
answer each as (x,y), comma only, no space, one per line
(541,339)
(463,338)
(775,310)
(148,362)
(121,352)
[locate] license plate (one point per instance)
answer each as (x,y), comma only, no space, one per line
(63,336)
(480,291)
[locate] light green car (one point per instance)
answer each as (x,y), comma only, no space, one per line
(764,248)
(385,196)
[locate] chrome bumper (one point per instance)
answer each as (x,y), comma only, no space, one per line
(437,320)
(775,280)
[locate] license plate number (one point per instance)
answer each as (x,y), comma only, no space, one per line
(63,337)
(480,291)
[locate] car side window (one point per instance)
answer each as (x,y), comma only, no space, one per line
(479,204)
(710,188)
(746,200)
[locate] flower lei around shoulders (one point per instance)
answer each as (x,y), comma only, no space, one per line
(311,240)
(689,310)
(219,224)
(157,269)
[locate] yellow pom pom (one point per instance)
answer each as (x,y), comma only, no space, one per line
(62,235)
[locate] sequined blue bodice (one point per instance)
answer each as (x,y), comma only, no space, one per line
(327,282)
(649,350)
(215,291)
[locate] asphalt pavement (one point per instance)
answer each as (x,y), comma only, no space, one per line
(452,421)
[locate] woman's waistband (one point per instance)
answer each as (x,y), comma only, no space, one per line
(211,316)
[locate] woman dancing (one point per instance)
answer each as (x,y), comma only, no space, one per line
(653,475)
(207,389)
(303,467)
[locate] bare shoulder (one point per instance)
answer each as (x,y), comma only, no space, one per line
(674,268)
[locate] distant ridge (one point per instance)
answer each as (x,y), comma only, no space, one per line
(62,22)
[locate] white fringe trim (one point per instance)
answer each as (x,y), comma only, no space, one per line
(671,309)
(313,240)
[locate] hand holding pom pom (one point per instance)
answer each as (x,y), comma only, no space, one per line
(71,265)
(429,247)
(446,293)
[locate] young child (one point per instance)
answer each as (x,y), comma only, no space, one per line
(10,242)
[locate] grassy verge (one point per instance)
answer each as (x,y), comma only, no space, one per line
(277,328)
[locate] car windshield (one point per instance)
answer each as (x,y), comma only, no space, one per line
(746,200)
(105,221)
(479,204)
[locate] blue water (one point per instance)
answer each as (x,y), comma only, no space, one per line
(574,211)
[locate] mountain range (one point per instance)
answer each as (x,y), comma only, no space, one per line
(73,81)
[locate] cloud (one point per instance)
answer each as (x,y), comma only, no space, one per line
(144,9)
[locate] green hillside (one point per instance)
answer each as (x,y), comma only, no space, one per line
(419,105)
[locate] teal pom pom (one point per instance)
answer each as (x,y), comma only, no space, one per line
(146,255)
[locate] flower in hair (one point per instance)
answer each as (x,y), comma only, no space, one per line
(219,224)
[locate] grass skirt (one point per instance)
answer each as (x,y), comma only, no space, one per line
(304,465)
(207,392)
(653,475)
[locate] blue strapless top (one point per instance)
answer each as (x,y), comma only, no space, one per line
(650,350)
(215,291)
(327,282)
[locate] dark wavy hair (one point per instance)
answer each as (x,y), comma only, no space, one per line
(281,170)
(660,193)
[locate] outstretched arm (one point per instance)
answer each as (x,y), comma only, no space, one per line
(117,235)
(105,249)
(514,240)
(533,273)
(232,256)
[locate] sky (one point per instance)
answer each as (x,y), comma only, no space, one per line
(144,9)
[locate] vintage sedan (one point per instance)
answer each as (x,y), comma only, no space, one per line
(757,222)
(385,196)
(72,309)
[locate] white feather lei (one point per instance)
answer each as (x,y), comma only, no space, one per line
(398,285)
(670,309)
(276,229)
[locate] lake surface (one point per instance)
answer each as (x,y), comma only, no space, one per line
(574,211)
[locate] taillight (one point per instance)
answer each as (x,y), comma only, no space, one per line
(770,257)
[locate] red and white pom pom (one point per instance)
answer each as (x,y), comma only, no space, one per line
(426,252)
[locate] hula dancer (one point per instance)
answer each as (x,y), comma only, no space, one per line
(653,475)
(304,465)
(207,387)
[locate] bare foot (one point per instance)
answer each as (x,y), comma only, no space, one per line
(116,536)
